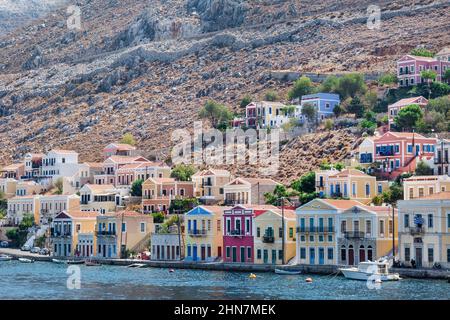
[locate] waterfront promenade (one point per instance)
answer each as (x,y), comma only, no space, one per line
(220,266)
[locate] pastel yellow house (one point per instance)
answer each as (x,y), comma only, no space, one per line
(209,184)
(8,187)
(423,186)
(72,234)
(18,206)
(204,233)
(366,233)
(121,231)
(268,236)
(51,205)
(424,230)
(351,184)
(101,198)
(316,230)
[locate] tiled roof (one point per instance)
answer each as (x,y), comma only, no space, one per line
(127,159)
(128,214)
(420,58)
(82,214)
(342,204)
(349,173)
(63,151)
(408,101)
(445,195)
(13,166)
(94,164)
(263,181)
(122,146)
(100,187)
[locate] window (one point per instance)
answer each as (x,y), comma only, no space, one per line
(397,148)
(124,227)
(430,255)
(406,221)
(280,254)
(448,220)
(410,148)
(343,226)
(143,227)
(368,227)
(249,252)
(382,228)
(354,189)
(291,232)
(380,188)
(411,193)
(320,238)
(330,238)
(407,254)
(391,227)
(330,224)
(343,254)
(303,253)
(397,163)
(280,232)
(219,224)
(302,238)
(228,252)
(258,254)
(311,238)
(430,221)
(430,190)
(330,253)
(258,232)
(367,189)
(311,224)
(421,192)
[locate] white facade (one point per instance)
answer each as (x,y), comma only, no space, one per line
(60,163)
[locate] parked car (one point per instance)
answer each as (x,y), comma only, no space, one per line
(25,247)
(4,244)
(35,250)
(44,252)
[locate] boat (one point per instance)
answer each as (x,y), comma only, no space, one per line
(136,265)
(91,263)
(75,261)
(4,257)
(59,261)
(370,270)
(287,272)
(26,260)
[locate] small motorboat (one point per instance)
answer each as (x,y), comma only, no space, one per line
(136,265)
(287,272)
(58,261)
(371,270)
(26,260)
(91,263)
(4,257)
(252,276)
(75,261)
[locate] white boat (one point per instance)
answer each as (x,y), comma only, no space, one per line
(371,270)
(59,261)
(4,257)
(26,260)
(136,265)
(287,272)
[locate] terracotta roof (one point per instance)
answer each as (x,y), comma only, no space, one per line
(428,59)
(63,151)
(261,181)
(408,101)
(408,135)
(94,164)
(127,214)
(348,173)
(342,204)
(289,214)
(13,166)
(208,172)
(444,195)
(444,51)
(218,210)
(377,209)
(82,214)
(126,159)
(122,146)
(100,187)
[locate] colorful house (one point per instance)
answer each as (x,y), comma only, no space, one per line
(393,109)
(268,233)
(112,164)
(204,235)
(72,234)
(119,149)
(366,151)
(324,103)
(209,184)
(33,164)
(409,69)
(349,183)
(423,186)
(51,205)
(101,198)
(8,187)
(131,172)
(424,230)
(18,206)
(158,193)
(60,163)
(167,246)
(332,232)
(398,152)
(123,231)
(13,171)
(441,157)
(265,114)
(248,191)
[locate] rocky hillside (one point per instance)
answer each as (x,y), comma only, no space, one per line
(148,66)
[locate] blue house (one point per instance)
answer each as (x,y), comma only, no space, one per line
(324,103)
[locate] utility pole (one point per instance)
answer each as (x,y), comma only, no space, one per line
(393,231)
(282,230)
(121,231)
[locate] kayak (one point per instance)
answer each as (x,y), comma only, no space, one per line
(287,272)
(25,260)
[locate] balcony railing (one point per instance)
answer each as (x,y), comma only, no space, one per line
(320,185)
(268,238)
(385,153)
(315,230)
(197,232)
(440,160)
(105,233)
(416,230)
(236,233)
(354,235)
(207,184)
(57,234)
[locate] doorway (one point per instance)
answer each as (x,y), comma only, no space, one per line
(362,254)
(234,254)
(351,256)
(419,257)
(242,254)
(321,256)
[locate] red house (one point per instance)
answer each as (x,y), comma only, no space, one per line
(399,152)
(409,68)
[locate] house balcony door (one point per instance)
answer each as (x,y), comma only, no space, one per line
(362,254)
(242,254)
(274,256)
(234,254)
(321,256)
(203,253)
(194,255)
(351,256)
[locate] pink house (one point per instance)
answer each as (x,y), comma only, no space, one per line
(393,109)
(409,68)
(398,152)
(238,245)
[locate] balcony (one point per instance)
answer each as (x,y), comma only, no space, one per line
(315,230)
(354,235)
(386,153)
(58,234)
(236,233)
(105,233)
(207,184)
(197,232)
(320,185)
(440,161)
(416,231)
(268,238)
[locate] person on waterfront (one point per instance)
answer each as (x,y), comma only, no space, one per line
(413,263)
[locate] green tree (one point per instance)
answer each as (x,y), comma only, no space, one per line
(158,217)
(422,52)
(428,75)
(408,117)
(356,107)
(423,169)
(271,95)
(128,138)
(388,79)
(351,85)
(246,101)
(218,114)
(274,197)
(329,124)
(310,112)
(306,183)
(393,194)
(301,87)
(330,84)
(183,172)
(339,166)
(59,185)
(183,205)
(338,110)
(325,165)
(288,111)
(136,188)
(446,76)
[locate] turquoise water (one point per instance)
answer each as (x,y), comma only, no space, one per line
(43,280)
